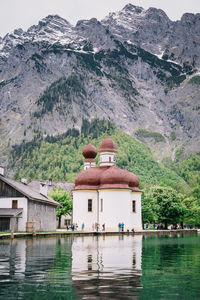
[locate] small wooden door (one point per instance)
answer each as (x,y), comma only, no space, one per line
(14,204)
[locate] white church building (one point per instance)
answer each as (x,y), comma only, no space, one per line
(106,196)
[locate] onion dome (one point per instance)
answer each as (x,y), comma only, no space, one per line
(89,151)
(89,179)
(114,178)
(132,180)
(107,145)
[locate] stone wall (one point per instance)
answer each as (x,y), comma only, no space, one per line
(43,215)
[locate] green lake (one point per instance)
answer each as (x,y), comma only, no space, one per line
(104,267)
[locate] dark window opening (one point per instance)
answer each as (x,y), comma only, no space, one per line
(133,206)
(67,222)
(4,224)
(101,205)
(14,204)
(89,204)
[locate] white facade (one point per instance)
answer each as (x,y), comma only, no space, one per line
(80,209)
(89,164)
(117,208)
(22,203)
(109,207)
(107,159)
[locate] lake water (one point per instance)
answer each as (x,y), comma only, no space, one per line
(117,267)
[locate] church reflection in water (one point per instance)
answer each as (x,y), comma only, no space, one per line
(107,267)
(88,267)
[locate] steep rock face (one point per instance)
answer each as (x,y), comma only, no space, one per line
(152,30)
(147,29)
(54,75)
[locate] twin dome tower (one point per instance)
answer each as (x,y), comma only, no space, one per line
(107,151)
(106,194)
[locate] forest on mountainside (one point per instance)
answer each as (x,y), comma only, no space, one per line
(60,157)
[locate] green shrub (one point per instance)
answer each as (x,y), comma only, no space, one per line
(173,136)
(195,80)
(143,133)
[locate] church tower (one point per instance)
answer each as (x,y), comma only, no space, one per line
(89,152)
(107,151)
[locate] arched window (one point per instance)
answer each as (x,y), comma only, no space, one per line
(133,206)
(89,205)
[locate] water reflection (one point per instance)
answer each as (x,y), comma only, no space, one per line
(107,268)
(71,268)
(101,268)
(35,269)
(13,259)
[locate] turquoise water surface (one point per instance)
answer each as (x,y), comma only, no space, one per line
(110,267)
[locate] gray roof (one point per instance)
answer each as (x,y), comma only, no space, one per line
(28,192)
(10,212)
(67,186)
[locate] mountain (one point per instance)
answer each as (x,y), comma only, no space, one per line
(153,31)
(135,68)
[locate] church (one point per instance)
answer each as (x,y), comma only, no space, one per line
(106,197)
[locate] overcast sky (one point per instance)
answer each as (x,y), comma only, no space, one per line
(24,13)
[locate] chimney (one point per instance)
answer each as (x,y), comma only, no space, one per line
(24,181)
(2,171)
(43,189)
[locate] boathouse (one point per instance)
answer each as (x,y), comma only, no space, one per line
(24,209)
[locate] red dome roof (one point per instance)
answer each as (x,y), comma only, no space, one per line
(107,145)
(114,178)
(89,151)
(132,180)
(89,179)
(106,177)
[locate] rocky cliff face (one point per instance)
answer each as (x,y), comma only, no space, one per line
(152,30)
(136,68)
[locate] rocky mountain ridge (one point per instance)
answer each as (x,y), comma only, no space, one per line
(135,68)
(153,31)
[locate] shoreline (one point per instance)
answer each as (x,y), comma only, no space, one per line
(63,233)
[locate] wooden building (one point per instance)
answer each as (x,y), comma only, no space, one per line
(66,220)
(23,208)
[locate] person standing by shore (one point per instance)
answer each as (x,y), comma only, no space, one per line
(83,225)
